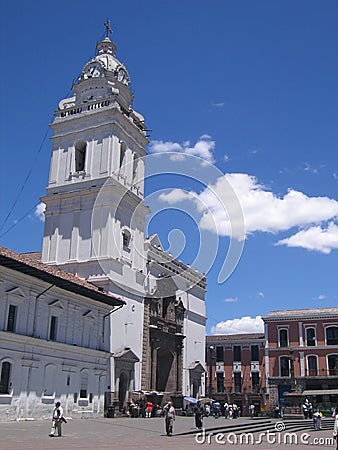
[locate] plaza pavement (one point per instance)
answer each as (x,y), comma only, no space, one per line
(139,434)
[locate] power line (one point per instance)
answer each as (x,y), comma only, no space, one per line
(18,221)
(26,180)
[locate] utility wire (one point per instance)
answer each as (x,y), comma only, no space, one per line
(21,218)
(26,179)
(29,174)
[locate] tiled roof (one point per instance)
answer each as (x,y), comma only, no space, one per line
(235,337)
(303,313)
(31,265)
(33,255)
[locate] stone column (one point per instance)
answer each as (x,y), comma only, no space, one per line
(153,368)
(179,367)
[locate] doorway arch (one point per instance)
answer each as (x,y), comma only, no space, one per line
(165,360)
(123,385)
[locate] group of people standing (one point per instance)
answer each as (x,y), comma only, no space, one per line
(142,408)
(229,411)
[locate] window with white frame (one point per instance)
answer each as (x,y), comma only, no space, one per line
(283,337)
(5,377)
(311,337)
(284,364)
(312,365)
(331,335)
(332,362)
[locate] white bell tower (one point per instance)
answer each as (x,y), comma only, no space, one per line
(95,217)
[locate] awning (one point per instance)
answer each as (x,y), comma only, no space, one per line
(321,392)
(191,400)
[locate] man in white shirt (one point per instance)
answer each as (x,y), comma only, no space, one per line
(169,417)
(57,420)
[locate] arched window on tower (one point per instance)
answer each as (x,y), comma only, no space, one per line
(123,148)
(80,155)
(126,239)
(135,163)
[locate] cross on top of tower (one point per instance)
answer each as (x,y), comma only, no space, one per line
(108,29)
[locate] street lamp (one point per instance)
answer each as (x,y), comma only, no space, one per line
(292,370)
(211,349)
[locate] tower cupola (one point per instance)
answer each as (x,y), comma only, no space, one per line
(104,81)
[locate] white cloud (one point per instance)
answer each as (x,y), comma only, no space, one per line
(176,196)
(265,212)
(261,294)
(237,326)
(217,104)
(203,148)
(39,211)
(320,297)
(314,238)
(314,170)
(255,151)
(231,300)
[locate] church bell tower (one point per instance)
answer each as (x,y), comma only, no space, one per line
(95,217)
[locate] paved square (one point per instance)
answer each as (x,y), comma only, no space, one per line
(137,434)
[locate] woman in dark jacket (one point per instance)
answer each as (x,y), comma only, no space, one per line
(198,412)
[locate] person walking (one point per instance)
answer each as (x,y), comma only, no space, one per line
(149,408)
(198,412)
(169,417)
(335,427)
(57,420)
(317,420)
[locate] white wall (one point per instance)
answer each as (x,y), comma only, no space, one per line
(44,371)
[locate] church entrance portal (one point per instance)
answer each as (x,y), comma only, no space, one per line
(122,389)
(165,361)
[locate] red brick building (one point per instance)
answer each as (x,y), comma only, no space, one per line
(236,372)
(302,356)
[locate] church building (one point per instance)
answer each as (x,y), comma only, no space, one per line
(95,221)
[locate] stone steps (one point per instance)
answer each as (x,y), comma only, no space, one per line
(263,425)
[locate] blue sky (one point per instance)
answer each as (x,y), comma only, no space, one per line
(251,86)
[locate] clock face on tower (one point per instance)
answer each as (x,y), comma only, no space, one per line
(93,69)
(122,75)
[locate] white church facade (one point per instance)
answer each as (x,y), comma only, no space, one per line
(95,220)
